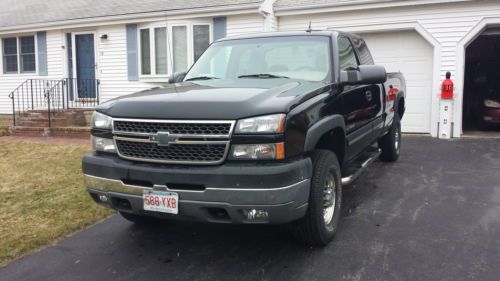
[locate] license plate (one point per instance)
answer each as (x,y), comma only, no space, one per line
(161,201)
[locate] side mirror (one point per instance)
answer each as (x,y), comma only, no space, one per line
(366,74)
(176,77)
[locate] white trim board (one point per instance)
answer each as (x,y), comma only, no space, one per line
(460,69)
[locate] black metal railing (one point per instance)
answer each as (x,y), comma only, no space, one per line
(52,96)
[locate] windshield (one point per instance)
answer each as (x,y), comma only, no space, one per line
(295,57)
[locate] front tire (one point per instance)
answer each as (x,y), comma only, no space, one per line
(390,144)
(319,225)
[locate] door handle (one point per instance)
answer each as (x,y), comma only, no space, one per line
(368,95)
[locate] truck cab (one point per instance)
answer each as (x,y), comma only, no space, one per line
(263,129)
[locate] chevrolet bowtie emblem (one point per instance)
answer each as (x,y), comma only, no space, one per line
(163,138)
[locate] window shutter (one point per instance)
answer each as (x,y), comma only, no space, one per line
(42,53)
(219,28)
(132,57)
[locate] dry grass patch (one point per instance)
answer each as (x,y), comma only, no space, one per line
(42,196)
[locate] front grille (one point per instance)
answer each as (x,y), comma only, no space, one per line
(184,128)
(201,153)
(172,141)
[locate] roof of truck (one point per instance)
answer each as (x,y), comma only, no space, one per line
(282,34)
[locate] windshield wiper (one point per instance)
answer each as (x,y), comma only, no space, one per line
(262,75)
(201,78)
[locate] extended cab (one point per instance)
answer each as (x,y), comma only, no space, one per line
(263,129)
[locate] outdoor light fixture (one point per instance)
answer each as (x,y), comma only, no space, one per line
(104,36)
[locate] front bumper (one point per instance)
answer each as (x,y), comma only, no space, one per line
(229,191)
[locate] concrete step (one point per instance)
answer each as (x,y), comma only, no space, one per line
(44,122)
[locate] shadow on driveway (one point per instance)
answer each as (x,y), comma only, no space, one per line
(433,215)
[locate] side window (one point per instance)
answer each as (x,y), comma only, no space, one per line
(364,53)
(347,56)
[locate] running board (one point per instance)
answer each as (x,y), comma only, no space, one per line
(360,167)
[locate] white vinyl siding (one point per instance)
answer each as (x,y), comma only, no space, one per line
(244,24)
(112,71)
(9,82)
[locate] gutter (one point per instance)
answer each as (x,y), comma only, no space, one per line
(355,5)
(266,9)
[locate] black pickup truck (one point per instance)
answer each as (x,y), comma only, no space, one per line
(263,129)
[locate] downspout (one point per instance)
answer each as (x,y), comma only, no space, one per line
(266,9)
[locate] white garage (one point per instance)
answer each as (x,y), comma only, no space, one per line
(409,53)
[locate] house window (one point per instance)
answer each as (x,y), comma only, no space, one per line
(179,34)
(201,40)
(22,59)
(145,52)
(161,50)
(10,55)
(27,55)
(153,44)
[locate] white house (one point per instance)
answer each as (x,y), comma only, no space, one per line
(133,45)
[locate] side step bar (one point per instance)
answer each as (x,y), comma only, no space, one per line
(360,167)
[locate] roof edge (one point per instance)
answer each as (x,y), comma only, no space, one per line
(355,5)
(192,12)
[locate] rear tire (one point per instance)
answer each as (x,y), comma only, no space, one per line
(390,144)
(138,219)
(319,225)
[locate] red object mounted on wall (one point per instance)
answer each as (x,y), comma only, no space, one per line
(447,88)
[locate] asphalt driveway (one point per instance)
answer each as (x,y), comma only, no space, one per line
(433,215)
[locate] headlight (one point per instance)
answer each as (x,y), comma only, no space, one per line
(263,124)
(101,121)
(103,144)
(491,103)
(269,151)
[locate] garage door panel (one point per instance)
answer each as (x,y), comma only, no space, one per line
(409,53)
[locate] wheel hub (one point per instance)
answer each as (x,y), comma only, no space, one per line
(329,198)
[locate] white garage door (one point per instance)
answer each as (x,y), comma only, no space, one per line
(408,52)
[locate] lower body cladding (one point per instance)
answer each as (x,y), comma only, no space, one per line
(275,193)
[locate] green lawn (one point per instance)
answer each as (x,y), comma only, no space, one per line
(42,196)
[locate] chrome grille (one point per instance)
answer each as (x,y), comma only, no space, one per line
(173,152)
(191,128)
(172,141)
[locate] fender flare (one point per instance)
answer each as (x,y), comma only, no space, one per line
(399,96)
(323,126)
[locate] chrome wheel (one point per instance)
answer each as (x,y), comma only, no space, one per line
(329,198)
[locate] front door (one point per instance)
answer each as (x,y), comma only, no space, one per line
(85,66)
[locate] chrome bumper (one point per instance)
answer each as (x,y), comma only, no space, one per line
(284,204)
(298,192)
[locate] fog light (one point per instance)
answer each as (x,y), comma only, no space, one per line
(103,198)
(103,144)
(256,215)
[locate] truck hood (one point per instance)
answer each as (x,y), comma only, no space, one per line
(214,99)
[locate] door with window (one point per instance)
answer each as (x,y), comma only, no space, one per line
(85,66)
(359,101)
